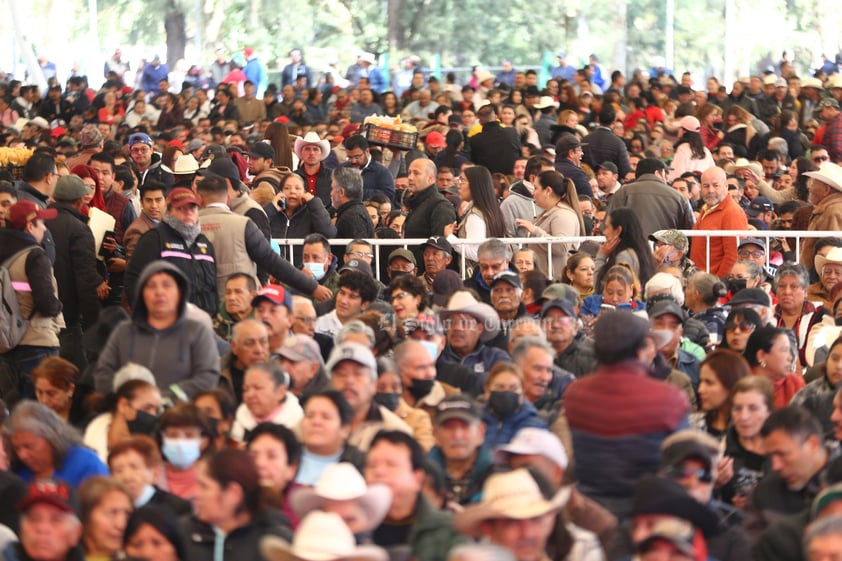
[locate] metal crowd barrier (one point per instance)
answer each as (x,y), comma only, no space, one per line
(549,242)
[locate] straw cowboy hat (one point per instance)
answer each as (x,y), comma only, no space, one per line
(321,536)
(343,482)
(742,163)
(513,495)
(184,165)
(829,173)
(312,138)
(463,302)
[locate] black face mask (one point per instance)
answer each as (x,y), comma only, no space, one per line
(388,400)
(504,403)
(420,388)
(143,423)
(736,285)
(839,320)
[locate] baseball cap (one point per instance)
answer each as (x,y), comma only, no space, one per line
(222,167)
(558,304)
(300,347)
(70,188)
(759,205)
(563,291)
(753,241)
(354,352)
(262,150)
(533,441)
(458,406)
(403,254)
(690,445)
(755,296)
(140,138)
(195,144)
(438,242)
(827,102)
(664,307)
(56,493)
(675,238)
(610,166)
(444,284)
(507,276)
(435,139)
(690,123)
(357,265)
(566,143)
(23,212)
(181,196)
(276,294)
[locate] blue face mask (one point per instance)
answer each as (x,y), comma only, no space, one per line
(318,269)
(432,348)
(182,452)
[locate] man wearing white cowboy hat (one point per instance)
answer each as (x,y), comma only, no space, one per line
(312,151)
(321,536)
(516,513)
(342,489)
(469,326)
(825,189)
(828,263)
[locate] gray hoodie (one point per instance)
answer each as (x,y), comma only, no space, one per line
(183,356)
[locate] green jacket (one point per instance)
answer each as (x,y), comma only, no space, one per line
(432,535)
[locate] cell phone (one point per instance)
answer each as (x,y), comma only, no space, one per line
(108,235)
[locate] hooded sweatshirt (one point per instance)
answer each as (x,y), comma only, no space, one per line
(183,357)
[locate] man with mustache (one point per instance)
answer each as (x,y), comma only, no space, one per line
(460,451)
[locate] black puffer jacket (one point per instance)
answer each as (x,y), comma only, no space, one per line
(76,266)
(310,218)
(241,544)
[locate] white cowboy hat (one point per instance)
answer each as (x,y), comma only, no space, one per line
(742,163)
(184,165)
(463,302)
(835,81)
(833,256)
(367,57)
(312,138)
(484,75)
(343,482)
(829,173)
(321,536)
(513,495)
(812,83)
(546,101)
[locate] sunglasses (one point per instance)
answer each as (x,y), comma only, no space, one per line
(742,326)
(680,472)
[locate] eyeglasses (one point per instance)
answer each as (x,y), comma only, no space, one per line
(306,321)
(748,253)
(680,472)
(140,149)
(459,180)
(399,295)
(742,326)
(361,255)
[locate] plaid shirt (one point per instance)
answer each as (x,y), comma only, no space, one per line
(833,138)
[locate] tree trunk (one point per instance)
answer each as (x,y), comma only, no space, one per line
(175,25)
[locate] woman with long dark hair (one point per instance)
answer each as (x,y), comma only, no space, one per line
(483,218)
(718,374)
(561,216)
(625,244)
(798,191)
(690,152)
(451,156)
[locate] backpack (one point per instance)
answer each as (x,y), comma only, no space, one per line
(12,324)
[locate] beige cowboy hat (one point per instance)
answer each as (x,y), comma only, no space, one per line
(343,482)
(833,256)
(546,101)
(835,81)
(463,302)
(742,163)
(321,536)
(829,173)
(184,165)
(312,138)
(812,83)
(513,495)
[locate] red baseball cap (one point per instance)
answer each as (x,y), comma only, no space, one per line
(55,493)
(181,196)
(23,212)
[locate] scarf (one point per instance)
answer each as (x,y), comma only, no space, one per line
(189,233)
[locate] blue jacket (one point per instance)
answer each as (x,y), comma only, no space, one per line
(256,74)
(501,431)
(80,464)
(574,173)
(150,81)
(478,362)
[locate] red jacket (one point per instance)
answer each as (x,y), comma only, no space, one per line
(727,215)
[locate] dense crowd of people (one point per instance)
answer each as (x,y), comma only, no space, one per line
(183,382)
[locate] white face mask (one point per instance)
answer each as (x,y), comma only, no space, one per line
(318,269)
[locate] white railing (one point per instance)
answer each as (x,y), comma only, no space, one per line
(549,242)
